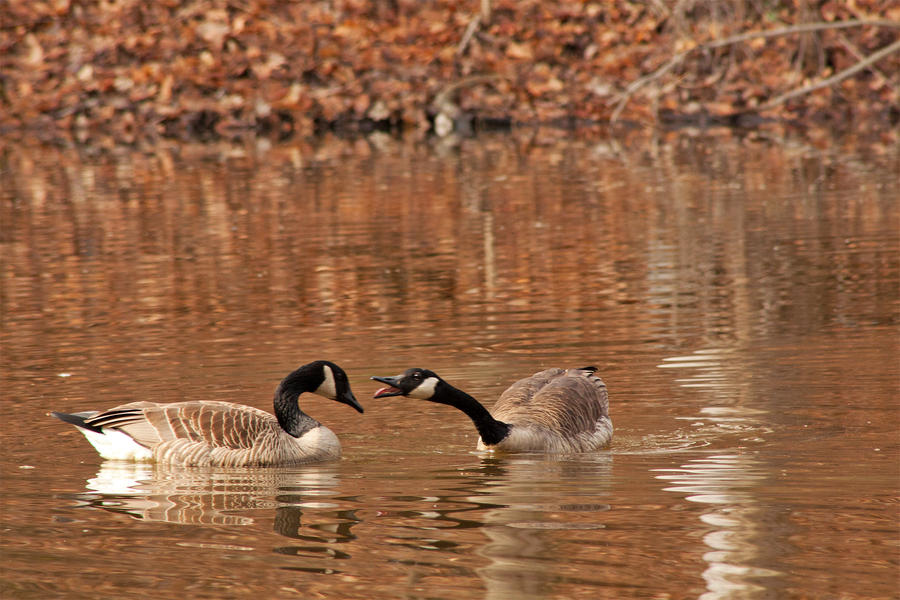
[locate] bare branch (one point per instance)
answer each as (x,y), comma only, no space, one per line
(623,98)
(854,50)
(836,78)
(802,28)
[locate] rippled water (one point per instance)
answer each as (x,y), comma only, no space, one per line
(741,298)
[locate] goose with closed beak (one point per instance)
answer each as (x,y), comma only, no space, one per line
(553,411)
(213,433)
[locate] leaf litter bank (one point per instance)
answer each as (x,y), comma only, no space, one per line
(129,69)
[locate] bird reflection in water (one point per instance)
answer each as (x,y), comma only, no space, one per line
(213,496)
(535,518)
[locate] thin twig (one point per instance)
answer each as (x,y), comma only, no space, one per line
(642,81)
(485,11)
(473,26)
(623,98)
(836,78)
(802,28)
(442,98)
(854,50)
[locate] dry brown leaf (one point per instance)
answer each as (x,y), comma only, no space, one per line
(519,51)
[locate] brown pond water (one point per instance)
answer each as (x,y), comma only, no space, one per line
(741,298)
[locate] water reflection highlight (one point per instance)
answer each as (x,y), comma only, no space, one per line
(726,482)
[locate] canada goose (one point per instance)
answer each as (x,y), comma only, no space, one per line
(552,411)
(212,433)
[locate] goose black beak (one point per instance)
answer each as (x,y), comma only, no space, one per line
(389,391)
(350,399)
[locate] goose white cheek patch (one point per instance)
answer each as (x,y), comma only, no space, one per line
(327,387)
(424,390)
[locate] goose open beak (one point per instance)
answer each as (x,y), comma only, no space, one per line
(389,391)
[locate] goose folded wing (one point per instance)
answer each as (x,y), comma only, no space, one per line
(215,423)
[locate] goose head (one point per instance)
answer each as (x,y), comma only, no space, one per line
(412,383)
(323,378)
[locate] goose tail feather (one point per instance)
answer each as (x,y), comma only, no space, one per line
(78,420)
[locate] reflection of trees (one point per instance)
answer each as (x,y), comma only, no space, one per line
(489,236)
(471,257)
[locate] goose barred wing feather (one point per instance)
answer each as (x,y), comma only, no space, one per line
(210,433)
(571,402)
(219,424)
(214,433)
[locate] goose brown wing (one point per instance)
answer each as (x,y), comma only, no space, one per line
(220,424)
(567,401)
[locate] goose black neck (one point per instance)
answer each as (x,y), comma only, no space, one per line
(287,410)
(490,429)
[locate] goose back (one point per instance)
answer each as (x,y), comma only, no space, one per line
(557,410)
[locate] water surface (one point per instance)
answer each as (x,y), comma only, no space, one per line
(740,298)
